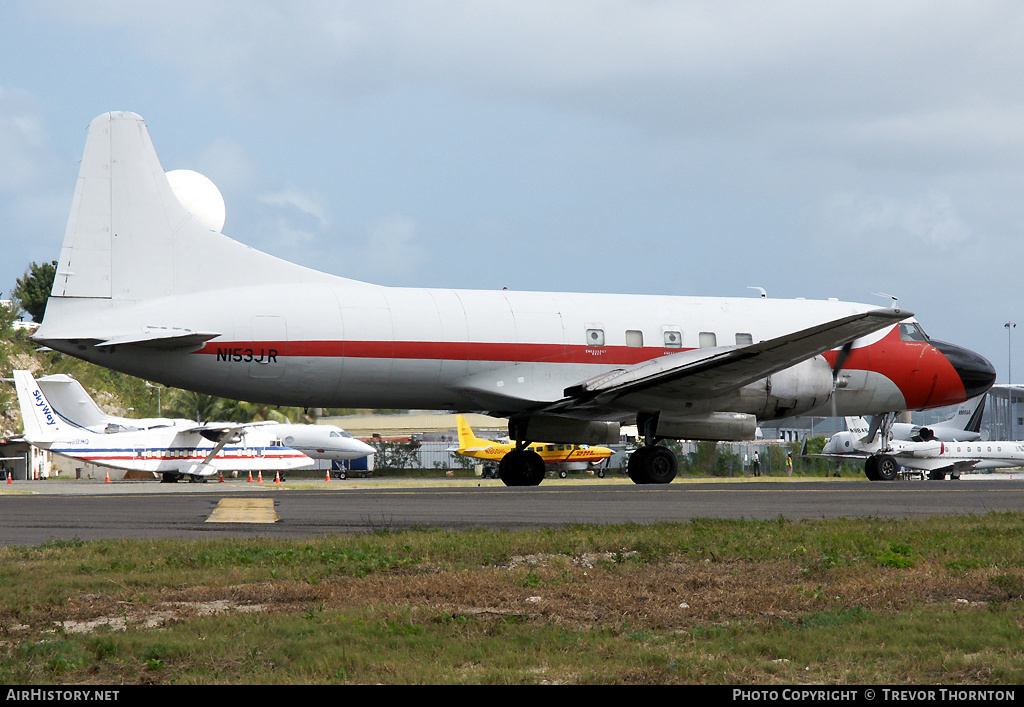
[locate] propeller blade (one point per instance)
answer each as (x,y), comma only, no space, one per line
(844,353)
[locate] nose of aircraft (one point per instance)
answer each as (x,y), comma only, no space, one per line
(975,371)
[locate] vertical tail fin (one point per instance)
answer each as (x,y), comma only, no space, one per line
(859,427)
(466,436)
(970,413)
(41,423)
(129,237)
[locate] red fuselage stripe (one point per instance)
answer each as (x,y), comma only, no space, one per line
(922,373)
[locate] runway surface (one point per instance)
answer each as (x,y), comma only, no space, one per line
(33,512)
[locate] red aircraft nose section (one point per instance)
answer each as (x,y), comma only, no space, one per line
(930,374)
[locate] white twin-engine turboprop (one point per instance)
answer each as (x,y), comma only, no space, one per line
(149,286)
(193,450)
(70,401)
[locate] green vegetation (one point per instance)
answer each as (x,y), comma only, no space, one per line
(32,290)
(874,601)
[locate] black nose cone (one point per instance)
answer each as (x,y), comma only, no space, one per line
(975,371)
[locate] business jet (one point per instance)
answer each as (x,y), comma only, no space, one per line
(148,284)
(963,426)
(561,457)
(70,401)
(884,456)
(172,452)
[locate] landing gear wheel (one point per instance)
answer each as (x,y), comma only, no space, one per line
(887,468)
(937,475)
(871,468)
(652,464)
(562,474)
(521,467)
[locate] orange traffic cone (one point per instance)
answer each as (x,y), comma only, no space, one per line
(277,477)
(250,476)
(9,477)
(328,477)
(259,476)
(107,479)
(221,480)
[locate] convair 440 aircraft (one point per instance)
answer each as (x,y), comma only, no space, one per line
(147,284)
(194,451)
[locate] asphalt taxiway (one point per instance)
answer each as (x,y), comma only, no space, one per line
(33,512)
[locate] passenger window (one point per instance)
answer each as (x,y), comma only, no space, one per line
(595,337)
(708,339)
(673,339)
(634,338)
(744,339)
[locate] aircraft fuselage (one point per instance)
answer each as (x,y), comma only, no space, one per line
(358,345)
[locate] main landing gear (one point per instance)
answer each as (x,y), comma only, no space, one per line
(651,463)
(521,467)
(882,466)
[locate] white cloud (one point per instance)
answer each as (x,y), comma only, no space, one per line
(306,206)
(393,246)
(930,220)
(24,144)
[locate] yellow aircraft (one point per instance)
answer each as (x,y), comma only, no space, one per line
(565,457)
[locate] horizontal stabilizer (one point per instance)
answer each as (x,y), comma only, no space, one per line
(162,337)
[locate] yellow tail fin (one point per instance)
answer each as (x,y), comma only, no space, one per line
(466,436)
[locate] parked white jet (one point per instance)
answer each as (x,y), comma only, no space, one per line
(172,452)
(963,426)
(150,286)
(882,459)
(69,399)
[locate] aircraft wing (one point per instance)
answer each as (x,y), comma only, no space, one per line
(957,466)
(703,373)
(852,456)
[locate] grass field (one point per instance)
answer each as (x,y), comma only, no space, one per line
(743,602)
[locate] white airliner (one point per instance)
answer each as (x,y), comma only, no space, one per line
(147,284)
(69,399)
(172,452)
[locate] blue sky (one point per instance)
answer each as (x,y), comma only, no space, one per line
(815,149)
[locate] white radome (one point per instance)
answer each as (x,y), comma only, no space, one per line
(200,196)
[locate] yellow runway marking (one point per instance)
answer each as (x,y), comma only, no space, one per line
(244,510)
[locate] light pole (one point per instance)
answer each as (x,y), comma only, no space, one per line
(158,389)
(1010,326)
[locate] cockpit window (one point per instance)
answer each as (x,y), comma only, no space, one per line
(911,331)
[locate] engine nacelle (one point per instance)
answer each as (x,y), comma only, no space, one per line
(792,391)
(924,450)
(717,426)
(921,434)
(551,428)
